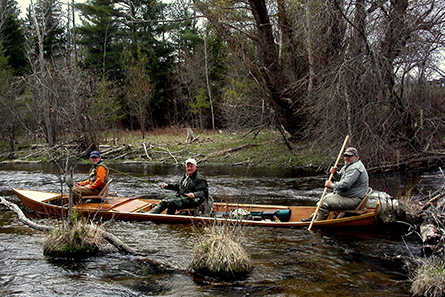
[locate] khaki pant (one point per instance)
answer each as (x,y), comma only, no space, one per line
(78,192)
(336,202)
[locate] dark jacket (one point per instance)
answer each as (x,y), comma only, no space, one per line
(196,184)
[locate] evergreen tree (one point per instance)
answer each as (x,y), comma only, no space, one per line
(13,107)
(110,26)
(98,36)
(144,27)
(12,36)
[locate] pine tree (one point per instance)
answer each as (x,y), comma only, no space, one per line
(12,36)
(144,26)
(98,36)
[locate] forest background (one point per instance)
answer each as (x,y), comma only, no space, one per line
(312,71)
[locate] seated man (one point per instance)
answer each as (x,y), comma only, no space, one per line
(349,190)
(94,184)
(191,191)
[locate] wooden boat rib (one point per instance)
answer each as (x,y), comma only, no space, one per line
(130,208)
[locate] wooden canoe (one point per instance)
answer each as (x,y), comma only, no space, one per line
(128,208)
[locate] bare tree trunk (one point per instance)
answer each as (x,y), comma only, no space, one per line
(43,88)
(74,32)
(286,101)
(309,46)
(209,90)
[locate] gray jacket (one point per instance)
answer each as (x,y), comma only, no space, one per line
(353,181)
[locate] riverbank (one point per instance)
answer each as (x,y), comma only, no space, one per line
(252,149)
(262,149)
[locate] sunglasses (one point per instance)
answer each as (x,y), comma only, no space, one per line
(348,156)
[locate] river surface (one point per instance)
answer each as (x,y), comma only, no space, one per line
(287,262)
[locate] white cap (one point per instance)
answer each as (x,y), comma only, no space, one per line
(192,161)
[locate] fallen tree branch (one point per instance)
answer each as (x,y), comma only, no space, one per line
(248,145)
(146,151)
(168,151)
(432,200)
(121,246)
(22,216)
(116,150)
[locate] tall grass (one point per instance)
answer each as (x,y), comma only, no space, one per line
(429,279)
(79,240)
(219,253)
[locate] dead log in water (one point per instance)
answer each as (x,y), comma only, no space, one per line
(22,216)
(432,227)
(431,236)
(112,239)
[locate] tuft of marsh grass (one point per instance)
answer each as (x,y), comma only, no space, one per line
(79,240)
(219,253)
(429,279)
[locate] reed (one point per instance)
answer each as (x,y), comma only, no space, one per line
(219,253)
(429,279)
(79,240)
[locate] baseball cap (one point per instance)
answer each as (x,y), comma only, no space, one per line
(350,151)
(191,161)
(94,154)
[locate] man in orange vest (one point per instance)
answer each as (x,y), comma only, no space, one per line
(97,179)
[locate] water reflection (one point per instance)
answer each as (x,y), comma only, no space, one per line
(288,262)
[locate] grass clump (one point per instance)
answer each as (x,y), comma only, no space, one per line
(79,240)
(429,279)
(219,253)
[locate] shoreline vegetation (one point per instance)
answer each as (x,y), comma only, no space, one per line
(255,148)
(264,148)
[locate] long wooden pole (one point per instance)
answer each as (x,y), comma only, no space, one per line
(330,178)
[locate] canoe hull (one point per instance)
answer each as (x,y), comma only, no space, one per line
(128,208)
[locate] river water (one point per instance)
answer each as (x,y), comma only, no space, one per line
(287,262)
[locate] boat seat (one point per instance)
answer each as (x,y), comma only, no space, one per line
(103,194)
(186,212)
(360,209)
(202,210)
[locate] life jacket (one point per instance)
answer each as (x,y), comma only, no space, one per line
(92,177)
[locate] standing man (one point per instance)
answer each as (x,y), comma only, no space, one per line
(349,191)
(191,191)
(97,179)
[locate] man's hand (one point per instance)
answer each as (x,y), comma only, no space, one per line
(190,195)
(328,184)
